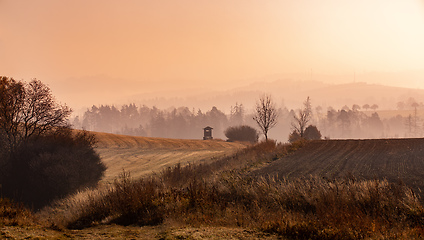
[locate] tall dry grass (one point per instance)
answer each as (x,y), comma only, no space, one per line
(224,194)
(15,214)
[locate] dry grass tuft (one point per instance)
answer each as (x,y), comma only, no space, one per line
(14,214)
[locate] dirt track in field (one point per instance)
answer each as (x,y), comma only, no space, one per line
(142,156)
(393,159)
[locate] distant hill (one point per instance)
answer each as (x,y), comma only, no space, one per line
(289,93)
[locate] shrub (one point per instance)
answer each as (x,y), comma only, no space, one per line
(312,133)
(51,166)
(128,201)
(242,133)
(294,136)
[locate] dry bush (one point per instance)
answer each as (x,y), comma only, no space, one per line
(127,201)
(64,211)
(242,133)
(51,167)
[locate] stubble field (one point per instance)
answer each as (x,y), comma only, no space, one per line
(141,156)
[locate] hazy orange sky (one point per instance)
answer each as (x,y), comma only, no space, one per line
(115,48)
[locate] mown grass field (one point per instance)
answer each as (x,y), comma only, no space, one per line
(142,156)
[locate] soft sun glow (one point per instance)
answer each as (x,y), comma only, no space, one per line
(164,45)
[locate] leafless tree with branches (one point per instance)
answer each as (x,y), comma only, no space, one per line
(266,114)
(28,110)
(302,118)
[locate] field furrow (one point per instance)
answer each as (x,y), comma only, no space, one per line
(392,159)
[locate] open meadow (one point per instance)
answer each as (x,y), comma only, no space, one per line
(142,156)
(326,189)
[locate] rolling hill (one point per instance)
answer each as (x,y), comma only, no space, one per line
(141,155)
(392,159)
(288,93)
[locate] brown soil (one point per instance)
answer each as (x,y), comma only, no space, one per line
(392,159)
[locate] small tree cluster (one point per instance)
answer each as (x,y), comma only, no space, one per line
(354,124)
(41,159)
(311,133)
(301,129)
(242,133)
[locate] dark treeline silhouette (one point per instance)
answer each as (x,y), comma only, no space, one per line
(153,122)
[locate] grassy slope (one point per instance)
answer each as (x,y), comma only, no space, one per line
(318,157)
(141,155)
(393,159)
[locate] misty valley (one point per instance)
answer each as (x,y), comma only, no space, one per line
(188,119)
(147,173)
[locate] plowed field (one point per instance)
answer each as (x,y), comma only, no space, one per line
(393,159)
(141,155)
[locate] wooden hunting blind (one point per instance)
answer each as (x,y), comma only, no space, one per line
(207,133)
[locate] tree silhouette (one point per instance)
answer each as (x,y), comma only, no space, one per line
(302,118)
(366,107)
(41,158)
(356,107)
(237,115)
(265,114)
(374,107)
(28,110)
(312,133)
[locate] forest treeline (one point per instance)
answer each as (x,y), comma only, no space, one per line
(185,123)
(179,122)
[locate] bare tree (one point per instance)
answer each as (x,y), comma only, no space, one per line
(12,97)
(302,118)
(265,114)
(28,110)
